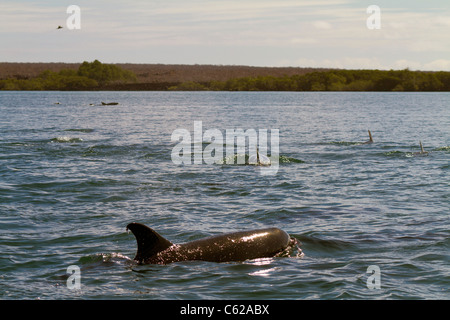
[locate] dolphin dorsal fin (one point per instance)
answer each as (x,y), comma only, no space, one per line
(258,162)
(149,242)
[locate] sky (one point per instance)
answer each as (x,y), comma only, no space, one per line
(312,33)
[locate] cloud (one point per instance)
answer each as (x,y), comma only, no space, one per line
(28,18)
(406,64)
(436,65)
(324,33)
(368,63)
(303,41)
(350,63)
(322,25)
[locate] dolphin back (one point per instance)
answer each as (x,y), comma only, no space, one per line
(238,246)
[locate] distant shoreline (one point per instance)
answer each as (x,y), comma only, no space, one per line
(159,73)
(165,77)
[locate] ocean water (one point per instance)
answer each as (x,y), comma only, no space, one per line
(372,220)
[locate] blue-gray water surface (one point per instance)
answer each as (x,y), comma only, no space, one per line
(372,220)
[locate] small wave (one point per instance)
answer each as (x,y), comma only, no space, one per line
(17,144)
(285,159)
(234,160)
(416,154)
(447,148)
(401,154)
(105,258)
(65,139)
(394,153)
(345,143)
(292,250)
(323,244)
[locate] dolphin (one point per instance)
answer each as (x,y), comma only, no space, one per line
(370,138)
(259,159)
(152,248)
(422,151)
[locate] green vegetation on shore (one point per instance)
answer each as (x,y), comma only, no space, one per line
(334,80)
(98,76)
(90,75)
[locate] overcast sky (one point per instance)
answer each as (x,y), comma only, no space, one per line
(313,33)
